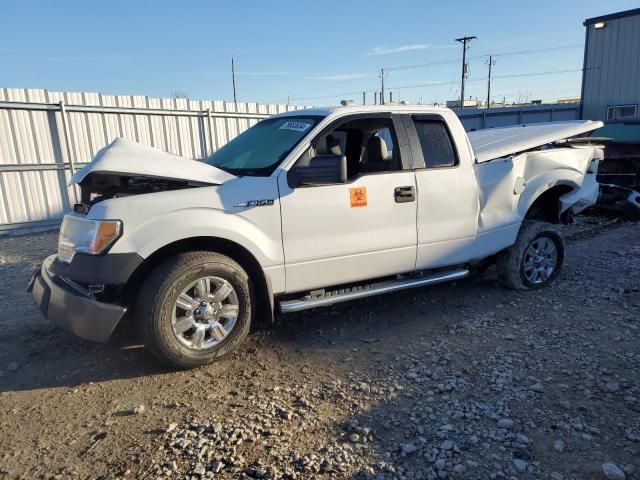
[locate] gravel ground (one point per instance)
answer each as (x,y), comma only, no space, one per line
(464,380)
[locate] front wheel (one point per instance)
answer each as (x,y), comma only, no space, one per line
(194,308)
(534,261)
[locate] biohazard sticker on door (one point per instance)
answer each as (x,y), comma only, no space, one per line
(358,196)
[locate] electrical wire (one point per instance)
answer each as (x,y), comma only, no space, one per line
(437,84)
(504,54)
(343,94)
(446,62)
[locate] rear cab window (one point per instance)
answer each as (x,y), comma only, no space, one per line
(436,143)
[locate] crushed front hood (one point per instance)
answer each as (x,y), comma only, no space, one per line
(125,157)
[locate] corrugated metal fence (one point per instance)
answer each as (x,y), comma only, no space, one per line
(477,118)
(46,136)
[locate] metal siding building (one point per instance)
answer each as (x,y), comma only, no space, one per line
(611,75)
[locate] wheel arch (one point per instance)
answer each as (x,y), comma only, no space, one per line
(260,281)
(546,205)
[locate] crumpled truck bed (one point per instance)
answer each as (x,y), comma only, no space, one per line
(509,186)
(492,143)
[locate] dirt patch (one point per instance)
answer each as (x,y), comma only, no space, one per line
(464,380)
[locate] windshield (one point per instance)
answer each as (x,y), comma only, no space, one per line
(260,149)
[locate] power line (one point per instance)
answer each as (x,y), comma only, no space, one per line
(537,92)
(534,74)
(437,84)
(515,75)
(442,62)
(419,65)
(503,54)
(343,94)
(538,50)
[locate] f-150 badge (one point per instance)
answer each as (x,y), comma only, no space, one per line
(254,203)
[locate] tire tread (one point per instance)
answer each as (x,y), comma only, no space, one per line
(151,297)
(508,261)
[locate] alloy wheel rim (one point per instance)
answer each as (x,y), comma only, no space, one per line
(205,312)
(540,260)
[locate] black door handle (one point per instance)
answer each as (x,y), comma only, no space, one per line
(404,194)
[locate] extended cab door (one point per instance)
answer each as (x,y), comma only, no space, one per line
(361,229)
(447,190)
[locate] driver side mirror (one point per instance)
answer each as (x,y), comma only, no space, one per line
(321,170)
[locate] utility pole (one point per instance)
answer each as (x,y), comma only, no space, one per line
(464,41)
(491,62)
(364,98)
(382,85)
(233,80)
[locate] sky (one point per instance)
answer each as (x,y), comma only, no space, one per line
(299,51)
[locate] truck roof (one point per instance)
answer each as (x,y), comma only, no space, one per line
(324,111)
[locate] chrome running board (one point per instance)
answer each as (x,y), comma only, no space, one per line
(361,291)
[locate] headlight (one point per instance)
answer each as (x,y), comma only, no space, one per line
(78,234)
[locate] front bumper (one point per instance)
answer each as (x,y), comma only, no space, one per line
(68,307)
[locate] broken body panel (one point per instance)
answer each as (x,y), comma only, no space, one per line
(129,158)
(493,143)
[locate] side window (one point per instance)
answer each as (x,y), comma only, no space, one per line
(437,147)
(385,134)
(369,144)
(334,143)
(379,149)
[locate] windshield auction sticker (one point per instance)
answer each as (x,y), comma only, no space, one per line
(297,126)
(358,197)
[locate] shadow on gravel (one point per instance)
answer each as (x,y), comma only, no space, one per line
(71,361)
(47,357)
(363,323)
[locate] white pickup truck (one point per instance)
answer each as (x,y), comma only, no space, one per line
(305,209)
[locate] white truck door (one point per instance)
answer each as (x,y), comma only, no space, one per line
(447,190)
(361,229)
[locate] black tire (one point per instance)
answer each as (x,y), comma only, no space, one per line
(156,304)
(510,263)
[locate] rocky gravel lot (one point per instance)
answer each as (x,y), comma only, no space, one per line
(464,380)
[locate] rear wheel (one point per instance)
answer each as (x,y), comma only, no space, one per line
(534,261)
(194,308)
